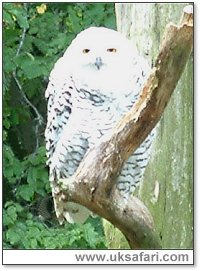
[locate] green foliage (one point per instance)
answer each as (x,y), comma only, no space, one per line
(32,234)
(35,36)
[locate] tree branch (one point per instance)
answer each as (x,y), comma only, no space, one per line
(39,118)
(94,183)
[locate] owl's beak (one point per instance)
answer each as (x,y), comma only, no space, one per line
(98,63)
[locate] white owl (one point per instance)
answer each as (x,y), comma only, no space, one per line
(95,82)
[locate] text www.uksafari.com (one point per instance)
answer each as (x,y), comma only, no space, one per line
(139,258)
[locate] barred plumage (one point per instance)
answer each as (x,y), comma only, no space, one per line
(96,81)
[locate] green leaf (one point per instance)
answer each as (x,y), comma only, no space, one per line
(11,36)
(6,123)
(29,218)
(33,243)
(18,169)
(13,236)
(8,60)
(90,235)
(18,207)
(26,192)
(11,211)
(21,18)
(8,203)
(25,243)
(7,18)
(34,231)
(9,216)
(32,176)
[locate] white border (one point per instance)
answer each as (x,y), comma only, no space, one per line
(61,256)
(110,257)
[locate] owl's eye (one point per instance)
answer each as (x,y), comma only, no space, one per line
(112,50)
(86,51)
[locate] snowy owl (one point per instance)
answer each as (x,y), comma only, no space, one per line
(95,82)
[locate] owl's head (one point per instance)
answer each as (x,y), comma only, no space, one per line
(97,48)
(101,58)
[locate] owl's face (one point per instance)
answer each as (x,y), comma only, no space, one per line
(101,58)
(97,48)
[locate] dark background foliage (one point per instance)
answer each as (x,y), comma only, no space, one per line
(34,37)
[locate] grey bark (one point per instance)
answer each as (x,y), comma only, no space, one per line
(167,189)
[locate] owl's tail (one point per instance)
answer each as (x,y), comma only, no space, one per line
(75,213)
(70,211)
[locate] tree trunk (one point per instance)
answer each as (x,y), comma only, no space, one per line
(167,188)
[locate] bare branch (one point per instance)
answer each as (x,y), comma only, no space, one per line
(39,118)
(93,185)
(23,35)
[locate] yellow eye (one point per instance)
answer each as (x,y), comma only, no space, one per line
(86,51)
(112,50)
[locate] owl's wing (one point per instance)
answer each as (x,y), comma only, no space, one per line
(59,107)
(61,137)
(133,170)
